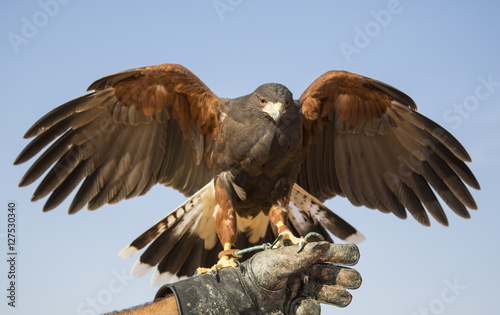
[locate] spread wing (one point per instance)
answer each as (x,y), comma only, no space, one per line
(364,140)
(139,127)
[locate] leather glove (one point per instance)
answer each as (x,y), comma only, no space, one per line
(275,281)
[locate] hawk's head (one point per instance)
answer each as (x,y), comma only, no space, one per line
(273,98)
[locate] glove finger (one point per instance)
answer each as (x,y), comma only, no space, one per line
(287,261)
(334,275)
(306,307)
(342,254)
(331,294)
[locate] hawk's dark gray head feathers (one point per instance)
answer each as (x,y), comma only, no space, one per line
(273,98)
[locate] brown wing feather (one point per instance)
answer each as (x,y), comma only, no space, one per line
(139,127)
(364,140)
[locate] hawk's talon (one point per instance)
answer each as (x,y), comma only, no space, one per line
(215,274)
(277,240)
(240,266)
(302,245)
(237,262)
(306,238)
(311,234)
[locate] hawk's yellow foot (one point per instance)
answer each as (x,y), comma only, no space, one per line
(227,258)
(286,237)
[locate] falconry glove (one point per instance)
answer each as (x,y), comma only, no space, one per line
(278,281)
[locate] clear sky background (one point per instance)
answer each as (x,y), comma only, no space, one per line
(441,53)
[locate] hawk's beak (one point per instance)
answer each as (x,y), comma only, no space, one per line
(274,110)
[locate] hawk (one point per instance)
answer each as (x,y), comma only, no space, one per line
(254,167)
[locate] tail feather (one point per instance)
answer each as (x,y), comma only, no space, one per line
(191,221)
(307,211)
(160,247)
(177,256)
(180,232)
(193,260)
(202,198)
(300,223)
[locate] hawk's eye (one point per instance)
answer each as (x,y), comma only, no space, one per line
(262,101)
(287,103)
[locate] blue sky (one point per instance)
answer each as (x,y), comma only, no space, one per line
(444,54)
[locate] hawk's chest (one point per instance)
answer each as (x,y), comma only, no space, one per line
(255,143)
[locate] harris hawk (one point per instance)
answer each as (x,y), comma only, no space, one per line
(254,167)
